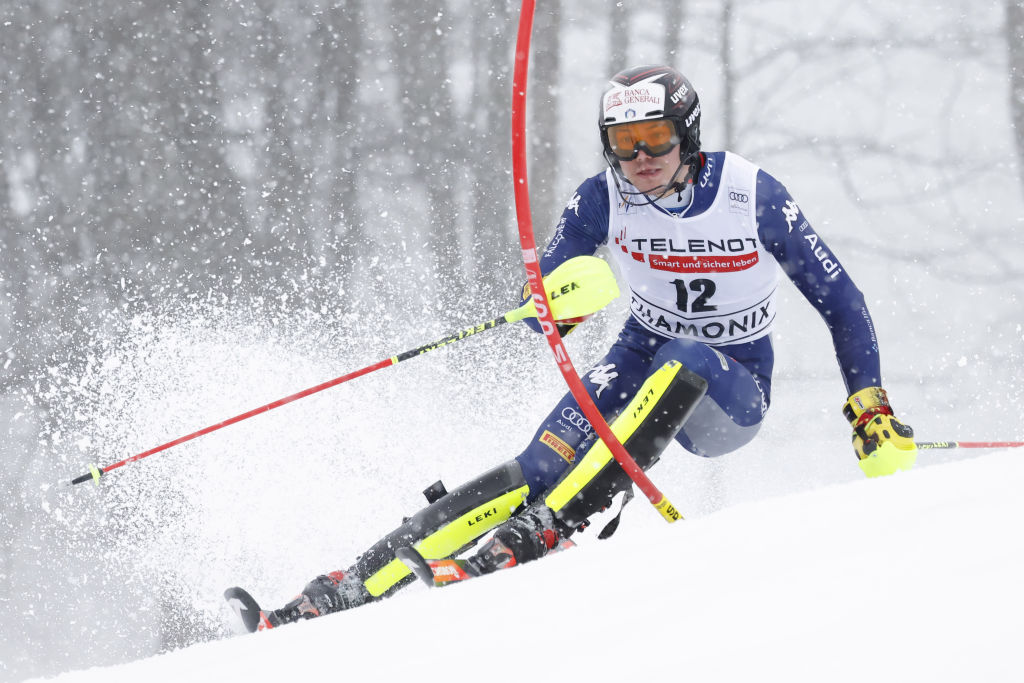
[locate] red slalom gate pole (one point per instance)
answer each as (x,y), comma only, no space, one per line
(532,265)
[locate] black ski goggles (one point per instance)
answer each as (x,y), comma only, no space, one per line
(656,138)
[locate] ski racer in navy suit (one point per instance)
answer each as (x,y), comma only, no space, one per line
(701,239)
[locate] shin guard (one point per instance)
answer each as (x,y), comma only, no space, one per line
(645,427)
(445,527)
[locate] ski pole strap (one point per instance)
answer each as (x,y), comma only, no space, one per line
(613,526)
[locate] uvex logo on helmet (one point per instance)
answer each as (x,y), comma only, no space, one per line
(679,94)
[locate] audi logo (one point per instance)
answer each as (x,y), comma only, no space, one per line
(737,197)
(576,419)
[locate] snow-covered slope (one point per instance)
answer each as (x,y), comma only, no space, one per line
(912,578)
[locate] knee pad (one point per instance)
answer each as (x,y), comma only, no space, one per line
(695,356)
(445,527)
(645,427)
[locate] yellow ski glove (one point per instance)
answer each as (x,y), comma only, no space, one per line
(883,444)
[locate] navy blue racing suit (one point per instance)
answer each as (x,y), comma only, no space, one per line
(739,375)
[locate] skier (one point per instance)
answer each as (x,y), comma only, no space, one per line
(700,238)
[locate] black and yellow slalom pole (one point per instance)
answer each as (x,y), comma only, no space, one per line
(578,288)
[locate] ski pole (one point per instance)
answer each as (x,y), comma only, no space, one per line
(969,444)
(530,262)
(578,288)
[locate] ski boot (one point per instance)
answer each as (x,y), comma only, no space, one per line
(528,536)
(323,595)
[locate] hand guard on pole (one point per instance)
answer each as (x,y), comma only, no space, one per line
(883,444)
(563,325)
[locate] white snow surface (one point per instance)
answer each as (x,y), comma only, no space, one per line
(915,577)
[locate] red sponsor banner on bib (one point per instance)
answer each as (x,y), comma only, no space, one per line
(703,264)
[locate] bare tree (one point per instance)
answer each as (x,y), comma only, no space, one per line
(728,115)
(214,214)
(46,235)
(673,12)
(341,44)
(545,153)
(13,294)
(424,100)
(284,185)
(492,222)
(1015,43)
(618,37)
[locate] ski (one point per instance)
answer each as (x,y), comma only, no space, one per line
(438,573)
(251,617)
(247,610)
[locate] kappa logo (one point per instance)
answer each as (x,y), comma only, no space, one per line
(574,204)
(790,212)
(601,377)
